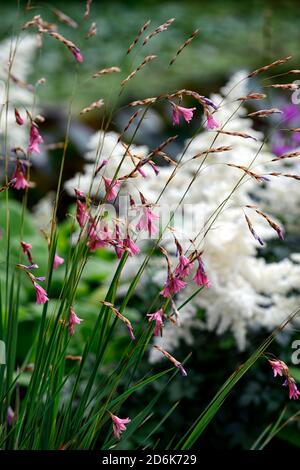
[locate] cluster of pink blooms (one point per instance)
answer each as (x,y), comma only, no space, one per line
(19,180)
(280,368)
(188,113)
(99,234)
(175,282)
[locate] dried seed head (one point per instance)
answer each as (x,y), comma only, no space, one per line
(146,61)
(64,18)
(253,96)
(285,86)
(184,45)
(136,39)
(267,67)
(96,105)
(158,30)
(106,71)
(286,155)
(271,222)
(225,148)
(92,30)
(264,112)
(171,359)
(143,102)
(257,177)
(39,23)
(286,175)
(236,134)
(250,226)
(87,9)
(121,317)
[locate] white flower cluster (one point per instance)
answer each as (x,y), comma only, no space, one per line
(246,291)
(20,52)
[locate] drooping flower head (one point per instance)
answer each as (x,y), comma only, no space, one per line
(10,415)
(130,246)
(157,318)
(119,425)
(278,367)
(76,53)
(111,188)
(211,123)
(41,294)
(186,113)
(200,277)
(184,267)
(20,181)
(35,139)
(172,286)
(19,119)
(81,213)
(26,247)
(73,320)
(293,390)
(58,261)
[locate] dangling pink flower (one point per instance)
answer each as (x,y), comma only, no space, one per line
(211,123)
(41,294)
(130,246)
(200,277)
(172,286)
(146,222)
(186,113)
(10,415)
(278,367)
(98,236)
(19,119)
(141,172)
(130,331)
(73,320)
(81,213)
(35,139)
(156,171)
(58,261)
(76,53)
(293,390)
(111,188)
(119,425)
(157,318)
(19,177)
(184,267)
(26,247)
(182,370)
